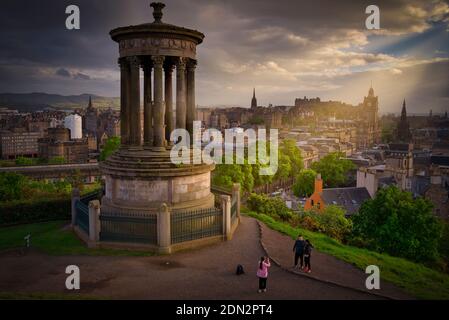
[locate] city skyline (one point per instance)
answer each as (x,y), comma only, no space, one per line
(284,50)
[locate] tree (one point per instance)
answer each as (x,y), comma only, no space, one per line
(305,182)
(290,150)
(11,186)
(111,145)
(225,175)
(333,169)
(274,207)
(395,223)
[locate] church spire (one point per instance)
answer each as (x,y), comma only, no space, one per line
(254,100)
(404,111)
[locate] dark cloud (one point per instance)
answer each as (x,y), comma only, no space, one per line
(284,47)
(63,73)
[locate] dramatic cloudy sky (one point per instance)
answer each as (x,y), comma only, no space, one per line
(285,49)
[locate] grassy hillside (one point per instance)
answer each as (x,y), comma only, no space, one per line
(418,280)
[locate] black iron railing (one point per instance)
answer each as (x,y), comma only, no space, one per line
(197,224)
(82,216)
(138,227)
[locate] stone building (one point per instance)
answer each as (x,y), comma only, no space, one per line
(368,129)
(91,119)
(18,142)
(57,144)
(350,199)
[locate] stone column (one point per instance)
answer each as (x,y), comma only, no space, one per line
(159,108)
(124,101)
(147,105)
(94,223)
(134,99)
(181,94)
(226,207)
(163,230)
(75,197)
(191,110)
(168,102)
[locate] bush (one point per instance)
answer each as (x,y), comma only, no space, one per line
(274,207)
(331,221)
(444,244)
(28,211)
(11,186)
(310,223)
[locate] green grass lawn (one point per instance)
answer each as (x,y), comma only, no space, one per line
(416,279)
(52,238)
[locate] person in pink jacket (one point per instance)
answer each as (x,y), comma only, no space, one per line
(262,273)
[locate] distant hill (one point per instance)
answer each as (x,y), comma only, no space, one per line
(28,102)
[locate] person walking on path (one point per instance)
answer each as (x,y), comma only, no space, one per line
(262,273)
(298,249)
(307,256)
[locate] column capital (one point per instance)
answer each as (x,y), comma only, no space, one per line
(123,64)
(191,65)
(134,61)
(181,63)
(158,60)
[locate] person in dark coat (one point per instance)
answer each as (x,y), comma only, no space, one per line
(307,256)
(298,249)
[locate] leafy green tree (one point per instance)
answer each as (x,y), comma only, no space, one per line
(284,166)
(225,175)
(11,186)
(290,150)
(76,180)
(274,207)
(395,223)
(333,169)
(305,182)
(111,145)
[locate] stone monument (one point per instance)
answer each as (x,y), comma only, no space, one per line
(140,177)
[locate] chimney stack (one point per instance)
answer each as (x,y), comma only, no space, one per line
(318,183)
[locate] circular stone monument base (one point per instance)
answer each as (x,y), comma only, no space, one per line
(142,180)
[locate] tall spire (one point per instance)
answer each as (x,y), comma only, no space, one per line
(404,110)
(90,102)
(254,100)
(371,90)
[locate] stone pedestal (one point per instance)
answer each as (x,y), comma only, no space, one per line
(226,207)
(141,181)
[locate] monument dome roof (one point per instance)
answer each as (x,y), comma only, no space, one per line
(157,28)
